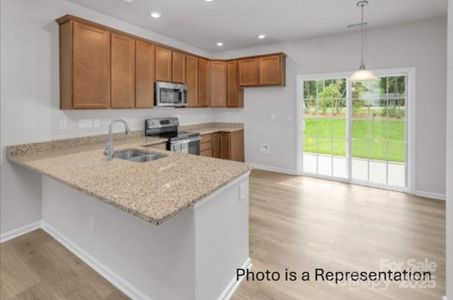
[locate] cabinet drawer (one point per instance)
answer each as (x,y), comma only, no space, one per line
(207,153)
(206,138)
(205,146)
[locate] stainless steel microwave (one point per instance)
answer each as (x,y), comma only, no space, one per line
(170,94)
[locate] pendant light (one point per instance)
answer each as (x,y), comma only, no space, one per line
(362,74)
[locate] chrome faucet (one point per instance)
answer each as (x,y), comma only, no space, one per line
(109,148)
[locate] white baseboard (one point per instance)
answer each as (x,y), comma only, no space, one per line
(102,269)
(234,284)
(274,169)
(19,231)
(430,195)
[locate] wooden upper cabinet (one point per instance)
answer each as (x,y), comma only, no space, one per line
(192,80)
(235,94)
(84,66)
(163,64)
(248,72)
(144,74)
(178,67)
(265,70)
(203,82)
(218,70)
(123,71)
(271,70)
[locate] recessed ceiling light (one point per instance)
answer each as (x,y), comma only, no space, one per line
(261,36)
(129,1)
(219,44)
(208,0)
(155,14)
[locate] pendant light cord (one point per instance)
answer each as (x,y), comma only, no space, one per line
(362,60)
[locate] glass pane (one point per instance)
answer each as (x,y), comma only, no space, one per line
(340,167)
(360,169)
(309,163)
(397,174)
(378,172)
(310,144)
(396,151)
(325,165)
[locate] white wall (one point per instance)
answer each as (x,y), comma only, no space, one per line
(30,95)
(421,45)
(449,281)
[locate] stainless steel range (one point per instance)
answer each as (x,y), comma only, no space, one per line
(179,141)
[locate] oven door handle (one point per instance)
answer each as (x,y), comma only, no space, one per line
(180,144)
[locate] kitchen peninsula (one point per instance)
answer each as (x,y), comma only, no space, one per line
(171,228)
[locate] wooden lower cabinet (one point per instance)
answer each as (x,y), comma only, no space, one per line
(223,145)
(232,145)
(206,145)
(215,142)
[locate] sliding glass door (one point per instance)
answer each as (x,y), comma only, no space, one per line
(356,131)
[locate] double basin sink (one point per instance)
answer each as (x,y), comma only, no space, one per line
(137,155)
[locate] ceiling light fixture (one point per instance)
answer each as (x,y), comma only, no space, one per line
(219,44)
(129,1)
(261,36)
(155,14)
(208,0)
(362,74)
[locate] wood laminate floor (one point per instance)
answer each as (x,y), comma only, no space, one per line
(297,223)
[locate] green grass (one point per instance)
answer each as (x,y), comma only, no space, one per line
(370,138)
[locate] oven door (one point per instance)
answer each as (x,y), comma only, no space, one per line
(189,146)
(171,94)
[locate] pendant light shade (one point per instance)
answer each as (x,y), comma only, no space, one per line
(362,74)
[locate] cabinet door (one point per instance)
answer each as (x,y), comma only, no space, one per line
(237,145)
(192,80)
(91,67)
(270,70)
(248,72)
(225,151)
(179,67)
(218,84)
(235,95)
(144,74)
(123,71)
(203,83)
(215,141)
(163,64)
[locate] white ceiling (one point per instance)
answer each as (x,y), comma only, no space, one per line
(237,22)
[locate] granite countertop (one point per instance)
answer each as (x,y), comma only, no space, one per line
(154,191)
(209,128)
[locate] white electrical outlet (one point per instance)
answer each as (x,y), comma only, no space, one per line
(290,117)
(265,148)
(92,226)
(85,123)
(62,125)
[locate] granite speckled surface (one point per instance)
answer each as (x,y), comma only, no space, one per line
(154,191)
(208,128)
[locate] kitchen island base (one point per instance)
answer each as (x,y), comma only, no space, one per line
(193,255)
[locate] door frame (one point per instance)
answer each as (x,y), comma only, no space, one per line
(410,120)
